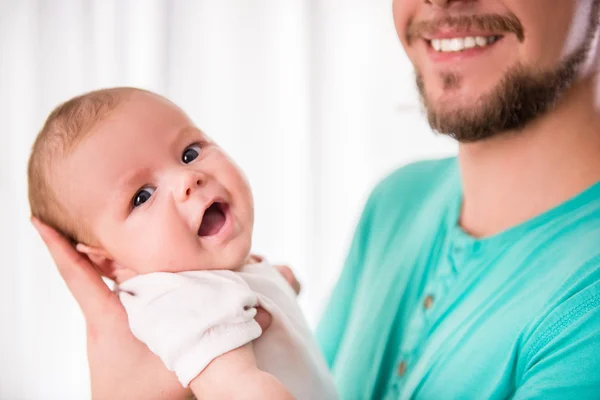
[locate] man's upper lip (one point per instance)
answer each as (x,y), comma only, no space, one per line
(450,34)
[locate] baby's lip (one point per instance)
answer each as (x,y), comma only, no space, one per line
(206,206)
(223,207)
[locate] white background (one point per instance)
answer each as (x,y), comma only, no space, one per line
(314,99)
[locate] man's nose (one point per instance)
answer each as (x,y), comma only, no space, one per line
(189,182)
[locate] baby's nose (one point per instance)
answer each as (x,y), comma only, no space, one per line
(190,182)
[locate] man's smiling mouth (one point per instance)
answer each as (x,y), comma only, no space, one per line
(457,44)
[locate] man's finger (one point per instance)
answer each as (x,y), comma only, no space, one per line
(255,258)
(263,318)
(84,282)
(290,277)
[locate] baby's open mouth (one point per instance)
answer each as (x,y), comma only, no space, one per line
(213,220)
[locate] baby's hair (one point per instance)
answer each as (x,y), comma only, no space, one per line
(64,128)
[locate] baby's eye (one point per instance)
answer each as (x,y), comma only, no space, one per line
(142,196)
(190,154)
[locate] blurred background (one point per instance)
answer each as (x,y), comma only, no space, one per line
(315,100)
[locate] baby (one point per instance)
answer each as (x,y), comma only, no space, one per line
(159,208)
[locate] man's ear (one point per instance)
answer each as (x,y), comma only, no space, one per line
(101,260)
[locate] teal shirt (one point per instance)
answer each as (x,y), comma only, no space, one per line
(424,311)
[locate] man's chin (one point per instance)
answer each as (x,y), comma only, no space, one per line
(523,95)
(459,101)
(442,114)
(465,115)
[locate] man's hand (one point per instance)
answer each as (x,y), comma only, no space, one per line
(290,277)
(121,367)
(234,375)
(283,270)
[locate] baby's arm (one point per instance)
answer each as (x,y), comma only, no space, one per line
(234,375)
(201,325)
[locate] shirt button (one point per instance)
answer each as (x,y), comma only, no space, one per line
(402,368)
(428,302)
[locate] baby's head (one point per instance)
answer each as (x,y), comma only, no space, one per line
(127,176)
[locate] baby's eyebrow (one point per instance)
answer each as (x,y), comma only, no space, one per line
(127,183)
(185,133)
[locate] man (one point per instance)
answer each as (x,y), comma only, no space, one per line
(476,277)
(479,277)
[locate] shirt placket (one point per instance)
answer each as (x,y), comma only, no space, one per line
(431,306)
(419,325)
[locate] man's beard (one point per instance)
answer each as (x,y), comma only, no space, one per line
(523,95)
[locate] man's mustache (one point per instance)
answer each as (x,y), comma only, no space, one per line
(493,23)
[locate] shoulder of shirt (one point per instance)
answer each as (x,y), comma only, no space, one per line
(414,182)
(576,304)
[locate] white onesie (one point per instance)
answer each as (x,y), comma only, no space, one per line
(190,318)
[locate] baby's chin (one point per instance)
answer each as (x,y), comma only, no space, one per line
(124,275)
(230,258)
(222,262)
(228,261)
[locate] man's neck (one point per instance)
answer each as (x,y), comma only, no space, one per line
(516,176)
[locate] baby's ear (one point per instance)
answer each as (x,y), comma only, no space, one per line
(100,258)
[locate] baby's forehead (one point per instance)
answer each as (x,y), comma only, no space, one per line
(135,137)
(142,122)
(148,110)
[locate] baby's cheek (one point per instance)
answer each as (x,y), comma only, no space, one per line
(144,252)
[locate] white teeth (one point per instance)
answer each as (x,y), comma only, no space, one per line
(470,42)
(460,44)
(457,44)
(446,45)
(481,41)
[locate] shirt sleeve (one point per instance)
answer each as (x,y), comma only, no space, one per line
(190,318)
(564,360)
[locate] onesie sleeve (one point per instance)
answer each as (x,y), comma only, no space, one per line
(190,318)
